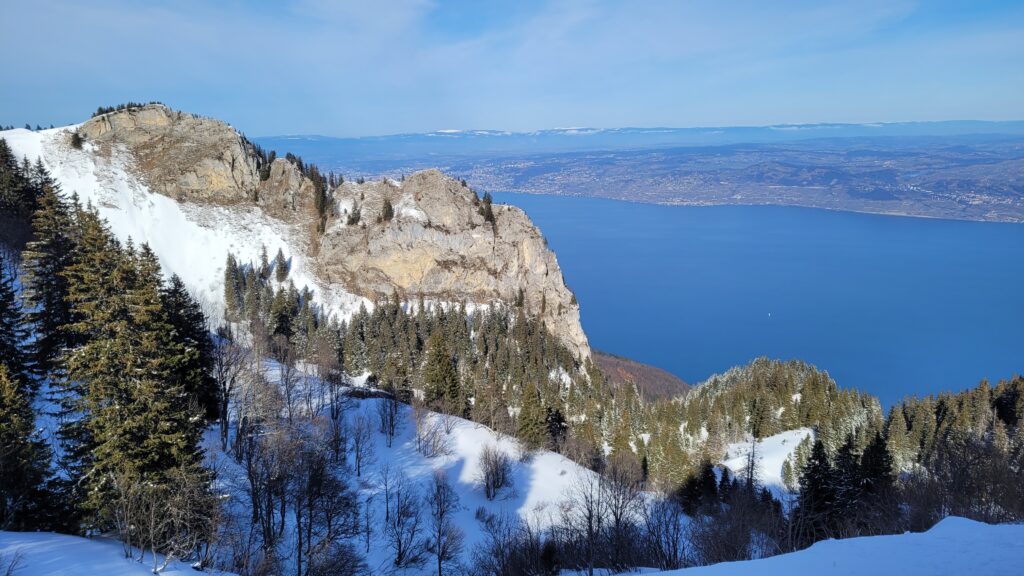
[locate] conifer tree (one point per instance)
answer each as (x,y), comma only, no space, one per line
(876,467)
(531,428)
(264,271)
(815,511)
(140,417)
(13,331)
(440,377)
(232,287)
(45,288)
(189,327)
(280,266)
(24,458)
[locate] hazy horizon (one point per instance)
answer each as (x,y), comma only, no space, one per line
(346,69)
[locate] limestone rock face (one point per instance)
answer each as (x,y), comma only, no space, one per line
(436,246)
(180,155)
(286,194)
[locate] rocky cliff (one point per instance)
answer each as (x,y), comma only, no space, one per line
(436,245)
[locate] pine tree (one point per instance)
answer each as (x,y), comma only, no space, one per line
(232,288)
(440,377)
(45,288)
(876,467)
(24,459)
(13,331)
(531,428)
(140,419)
(815,513)
(264,271)
(280,266)
(189,327)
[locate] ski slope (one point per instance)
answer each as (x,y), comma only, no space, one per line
(953,547)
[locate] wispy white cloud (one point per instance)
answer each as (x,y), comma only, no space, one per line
(409,65)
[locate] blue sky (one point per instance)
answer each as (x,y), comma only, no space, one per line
(379,67)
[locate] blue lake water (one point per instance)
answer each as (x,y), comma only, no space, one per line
(890,305)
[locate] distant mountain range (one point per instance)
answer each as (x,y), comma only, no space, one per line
(972,170)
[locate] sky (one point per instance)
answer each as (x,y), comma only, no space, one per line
(344,68)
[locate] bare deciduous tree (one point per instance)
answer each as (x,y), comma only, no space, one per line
(229,359)
(446,538)
(584,517)
(387,412)
(362,443)
(404,525)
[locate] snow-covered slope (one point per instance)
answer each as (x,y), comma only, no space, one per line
(954,547)
(540,484)
(48,554)
(190,241)
(770,452)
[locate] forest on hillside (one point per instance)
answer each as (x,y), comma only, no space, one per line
(134,371)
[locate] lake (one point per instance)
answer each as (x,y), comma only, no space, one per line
(891,305)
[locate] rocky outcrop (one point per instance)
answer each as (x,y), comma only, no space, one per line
(436,246)
(184,156)
(439,246)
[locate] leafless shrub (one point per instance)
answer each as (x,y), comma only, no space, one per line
(431,440)
(665,533)
(495,471)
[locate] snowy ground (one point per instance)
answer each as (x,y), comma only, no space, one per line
(539,484)
(954,547)
(48,554)
(190,240)
(771,452)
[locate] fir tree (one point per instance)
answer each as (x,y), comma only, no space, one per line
(264,271)
(876,467)
(189,327)
(13,331)
(280,266)
(141,419)
(815,513)
(46,289)
(232,288)
(440,377)
(24,459)
(531,428)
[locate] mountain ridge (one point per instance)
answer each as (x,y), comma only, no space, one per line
(437,244)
